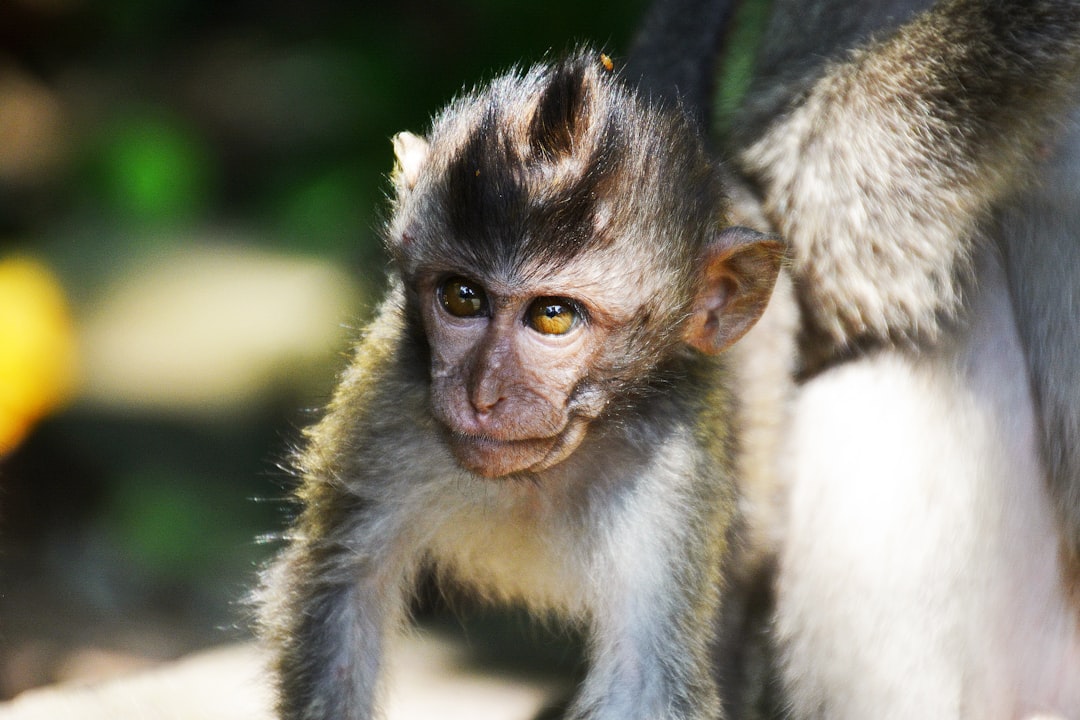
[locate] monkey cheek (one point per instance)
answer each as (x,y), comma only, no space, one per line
(565,444)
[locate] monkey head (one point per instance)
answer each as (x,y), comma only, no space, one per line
(559,239)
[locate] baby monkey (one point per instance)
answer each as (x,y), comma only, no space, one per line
(539,412)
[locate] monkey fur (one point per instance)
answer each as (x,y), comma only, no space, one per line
(539,411)
(922,162)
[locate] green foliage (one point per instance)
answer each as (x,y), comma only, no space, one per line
(737,63)
(168,528)
(326,213)
(153,172)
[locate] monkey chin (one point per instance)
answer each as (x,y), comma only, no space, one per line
(495,459)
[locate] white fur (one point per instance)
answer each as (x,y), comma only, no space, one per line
(921,572)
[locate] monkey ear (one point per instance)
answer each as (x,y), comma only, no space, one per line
(739,271)
(410,156)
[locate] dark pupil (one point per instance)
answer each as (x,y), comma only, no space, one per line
(553,311)
(468,296)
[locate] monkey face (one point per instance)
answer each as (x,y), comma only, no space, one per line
(509,371)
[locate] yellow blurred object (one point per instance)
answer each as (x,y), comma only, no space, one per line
(37,348)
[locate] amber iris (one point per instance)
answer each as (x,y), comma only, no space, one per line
(552,316)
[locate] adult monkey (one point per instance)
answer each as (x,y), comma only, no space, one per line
(923,166)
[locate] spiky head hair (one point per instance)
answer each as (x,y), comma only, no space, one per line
(544,164)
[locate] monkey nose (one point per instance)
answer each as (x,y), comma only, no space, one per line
(485,388)
(484,407)
(484,398)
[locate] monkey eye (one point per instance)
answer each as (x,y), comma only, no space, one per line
(552,315)
(463,298)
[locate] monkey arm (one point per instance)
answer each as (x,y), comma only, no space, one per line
(329,654)
(658,550)
(648,660)
(331,600)
(881,174)
(342,586)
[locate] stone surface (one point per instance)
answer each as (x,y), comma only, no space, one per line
(431,678)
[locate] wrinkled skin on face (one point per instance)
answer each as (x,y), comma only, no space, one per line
(504,390)
(510,382)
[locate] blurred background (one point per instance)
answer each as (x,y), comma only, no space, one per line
(189,201)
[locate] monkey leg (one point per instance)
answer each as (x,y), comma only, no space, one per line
(921,571)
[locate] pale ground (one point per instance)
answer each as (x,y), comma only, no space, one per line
(229,683)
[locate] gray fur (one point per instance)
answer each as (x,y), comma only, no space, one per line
(890,175)
(1040,235)
(882,231)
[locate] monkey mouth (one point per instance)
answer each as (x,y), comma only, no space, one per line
(494,458)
